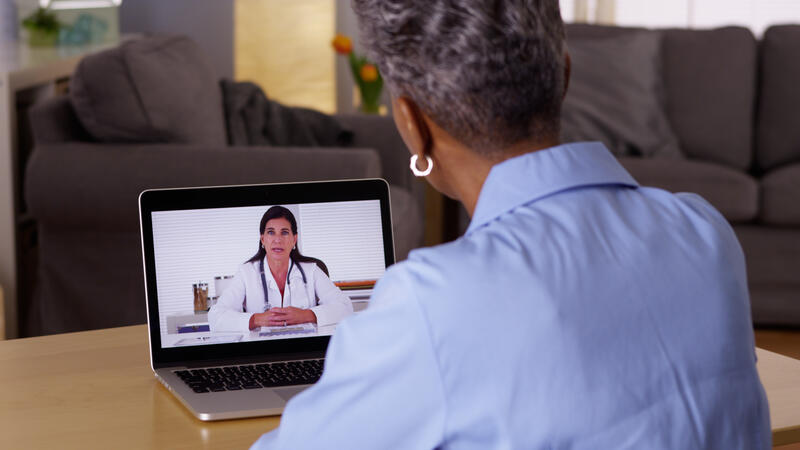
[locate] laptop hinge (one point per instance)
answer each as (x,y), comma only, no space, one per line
(242,360)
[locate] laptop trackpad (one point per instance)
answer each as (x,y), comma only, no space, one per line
(289,392)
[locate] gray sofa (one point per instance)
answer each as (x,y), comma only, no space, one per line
(734,107)
(143,116)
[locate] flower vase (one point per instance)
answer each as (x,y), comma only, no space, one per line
(370,106)
(369,82)
(42,38)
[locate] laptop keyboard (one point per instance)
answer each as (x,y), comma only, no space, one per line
(253,376)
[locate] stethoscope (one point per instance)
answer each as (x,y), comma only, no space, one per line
(288,281)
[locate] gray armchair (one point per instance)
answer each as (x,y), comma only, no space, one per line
(81,189)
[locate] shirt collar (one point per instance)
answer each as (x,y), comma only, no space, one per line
(533,176)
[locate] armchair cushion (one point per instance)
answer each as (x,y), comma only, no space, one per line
(154,89)
(780,194)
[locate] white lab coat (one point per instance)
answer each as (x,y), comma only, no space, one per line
(319,294)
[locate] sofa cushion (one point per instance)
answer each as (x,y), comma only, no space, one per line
(710,81)
(154,89)
(615,95)
(780,196)
(733,193)
(773,254)
(778,124)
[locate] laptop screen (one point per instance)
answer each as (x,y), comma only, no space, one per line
(260,269)
(208,267)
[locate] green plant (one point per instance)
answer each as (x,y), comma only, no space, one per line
(42,20)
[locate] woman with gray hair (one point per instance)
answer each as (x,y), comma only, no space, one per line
(579,310)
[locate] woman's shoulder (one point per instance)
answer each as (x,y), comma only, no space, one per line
(248,267)
(311,267)
(441,263)
(444,255)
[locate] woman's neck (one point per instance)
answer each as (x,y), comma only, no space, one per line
(279,268)
(467,171)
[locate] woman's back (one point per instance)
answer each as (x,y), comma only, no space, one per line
(590,313)
(595,316)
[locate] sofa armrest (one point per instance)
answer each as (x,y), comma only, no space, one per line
(380,133)
(54,121)
(96,186)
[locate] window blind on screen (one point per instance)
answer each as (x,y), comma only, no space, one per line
(194,246)
(347,236)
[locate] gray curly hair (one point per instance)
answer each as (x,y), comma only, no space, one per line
(490,73)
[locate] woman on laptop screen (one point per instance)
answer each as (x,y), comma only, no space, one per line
(278,286)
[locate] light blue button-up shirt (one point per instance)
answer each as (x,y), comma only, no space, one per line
(579,311)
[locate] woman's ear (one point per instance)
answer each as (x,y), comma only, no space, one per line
(412,126)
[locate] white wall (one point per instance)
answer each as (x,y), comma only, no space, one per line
(651,13)
(284,47)
(754,14)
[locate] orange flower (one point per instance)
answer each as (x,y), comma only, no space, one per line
(369,72)
(342,44)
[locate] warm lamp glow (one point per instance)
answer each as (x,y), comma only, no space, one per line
(285,47)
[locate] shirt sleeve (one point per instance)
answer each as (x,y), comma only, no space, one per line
(381,387)
(334,305)
(227,314)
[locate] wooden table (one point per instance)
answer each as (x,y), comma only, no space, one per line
(780,376)
(95,389)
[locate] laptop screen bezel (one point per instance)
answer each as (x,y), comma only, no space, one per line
(243,196)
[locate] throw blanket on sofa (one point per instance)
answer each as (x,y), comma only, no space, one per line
(253,119)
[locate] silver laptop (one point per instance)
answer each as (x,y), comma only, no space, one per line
(197,241)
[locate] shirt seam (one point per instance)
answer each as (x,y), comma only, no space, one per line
(428,327)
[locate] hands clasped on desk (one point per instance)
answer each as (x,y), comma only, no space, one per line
(276,317)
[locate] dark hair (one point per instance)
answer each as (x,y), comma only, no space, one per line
(277,212)
(489,73)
